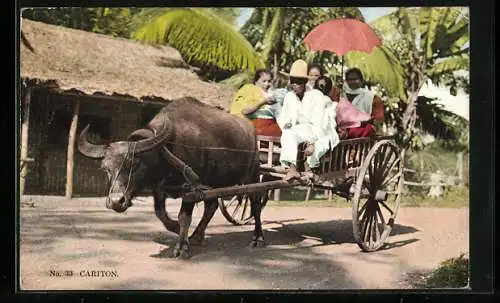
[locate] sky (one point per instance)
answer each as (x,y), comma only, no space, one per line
(459,104)
(370,13)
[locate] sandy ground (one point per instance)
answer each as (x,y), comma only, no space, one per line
(80,245)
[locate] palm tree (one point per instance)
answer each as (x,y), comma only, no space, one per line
(202,37)
(419,44)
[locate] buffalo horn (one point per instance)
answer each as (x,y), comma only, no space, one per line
(88,149)
(152,142)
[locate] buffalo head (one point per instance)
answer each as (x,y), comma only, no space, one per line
(128,163)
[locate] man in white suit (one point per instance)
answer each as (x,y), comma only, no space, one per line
(302,119)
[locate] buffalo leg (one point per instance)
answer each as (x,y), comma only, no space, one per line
(210,207)
(255,207)
(185,215)
(160,210)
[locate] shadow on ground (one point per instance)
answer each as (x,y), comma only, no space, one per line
(46,227)
(290,261)
(293,234)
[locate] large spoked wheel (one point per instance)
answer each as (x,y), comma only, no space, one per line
(237,209)
(377,194)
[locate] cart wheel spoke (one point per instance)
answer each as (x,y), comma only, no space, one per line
(370,232)
(376,227)
(387,207)
(392,179)
(368,185)
(374,232)
(364,224)
(388,170)
(232,201)
(380,171)
(379,212)
(236,208)
(366,227)
(379,160)
(363,208)
(386,167)
(245,206)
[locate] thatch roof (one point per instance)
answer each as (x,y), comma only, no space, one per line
(75,60)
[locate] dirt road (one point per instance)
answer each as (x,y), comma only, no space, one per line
(80,245)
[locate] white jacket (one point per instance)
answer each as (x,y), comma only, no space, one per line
(311,109)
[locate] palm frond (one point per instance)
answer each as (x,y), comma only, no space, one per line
(439,122)
(202,38)
(382,67)
(449,65)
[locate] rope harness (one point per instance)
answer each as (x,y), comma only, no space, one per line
(115,178)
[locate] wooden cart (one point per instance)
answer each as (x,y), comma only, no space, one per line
(368,172)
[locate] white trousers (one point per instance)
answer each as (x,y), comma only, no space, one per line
(292,137)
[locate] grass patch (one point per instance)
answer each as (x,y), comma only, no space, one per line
(452,198)
(452,273)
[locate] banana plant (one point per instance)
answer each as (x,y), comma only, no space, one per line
(278,33)
(418,44)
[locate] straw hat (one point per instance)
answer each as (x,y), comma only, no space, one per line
(298,70)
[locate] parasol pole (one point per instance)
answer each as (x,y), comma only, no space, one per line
(342,77)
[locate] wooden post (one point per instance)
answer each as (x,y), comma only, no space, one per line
(460,168)
(308,193)
(71,148)
(24,140)
(276,194)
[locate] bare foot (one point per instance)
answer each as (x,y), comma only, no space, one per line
(309,149)
(292,173)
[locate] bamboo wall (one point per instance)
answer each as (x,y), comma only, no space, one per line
(50,118)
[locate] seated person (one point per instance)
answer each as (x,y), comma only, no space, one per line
(301,120)
(350,119)
(314,72)
(258,103)
(325,85)
(364,100)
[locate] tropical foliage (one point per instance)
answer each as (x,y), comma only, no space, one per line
(108,21)
(419,44)
(206,38)
(277,34)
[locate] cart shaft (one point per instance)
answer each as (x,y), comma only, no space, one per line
(197,196)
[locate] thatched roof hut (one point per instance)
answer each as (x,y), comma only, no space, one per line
(77,61)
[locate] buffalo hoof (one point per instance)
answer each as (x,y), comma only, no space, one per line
(196,240)
(181,251)
(258,242)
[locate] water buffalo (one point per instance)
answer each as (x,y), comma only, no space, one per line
(220,148)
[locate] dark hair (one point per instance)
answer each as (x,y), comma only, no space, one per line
(354,70)
(259,72)
(316,66)
(324,88)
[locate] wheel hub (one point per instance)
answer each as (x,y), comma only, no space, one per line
(380,195)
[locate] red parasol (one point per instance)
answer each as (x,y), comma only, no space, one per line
(341,36)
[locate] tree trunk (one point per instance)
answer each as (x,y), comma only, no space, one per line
(24,140)
(273,35)
(265,17)
(71,151)
(275,69)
